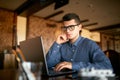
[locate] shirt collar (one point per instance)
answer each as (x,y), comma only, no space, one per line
(76,42)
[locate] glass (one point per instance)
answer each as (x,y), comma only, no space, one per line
(31,70)
(70,27)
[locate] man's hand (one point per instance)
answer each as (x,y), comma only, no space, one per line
(62,39)
(63,65)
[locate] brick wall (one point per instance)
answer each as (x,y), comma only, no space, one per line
(6,26)
(48,29)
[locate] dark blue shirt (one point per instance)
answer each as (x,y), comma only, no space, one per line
(84,53)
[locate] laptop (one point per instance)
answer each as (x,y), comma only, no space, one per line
(34,51)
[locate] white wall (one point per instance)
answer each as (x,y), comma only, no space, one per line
(21,28)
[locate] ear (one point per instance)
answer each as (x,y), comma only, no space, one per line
(80,27)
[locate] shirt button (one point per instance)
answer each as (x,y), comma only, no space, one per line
(71,59)
(58,46)
(73,50)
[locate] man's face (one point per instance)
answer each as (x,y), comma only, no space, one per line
(71,28)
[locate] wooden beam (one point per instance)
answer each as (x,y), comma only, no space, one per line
(107,27)
(85,20)
(86,25)
(24,6)
(54,14)
(32,6)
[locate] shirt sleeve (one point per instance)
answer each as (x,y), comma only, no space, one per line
(53,56)
(98,60)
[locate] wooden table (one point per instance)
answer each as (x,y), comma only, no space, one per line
(14,74)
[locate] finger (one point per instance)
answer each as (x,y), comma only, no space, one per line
(65,37)
(60,68)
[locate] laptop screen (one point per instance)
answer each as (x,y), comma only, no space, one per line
(32,49)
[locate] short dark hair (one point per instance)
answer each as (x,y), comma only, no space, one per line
(70,16)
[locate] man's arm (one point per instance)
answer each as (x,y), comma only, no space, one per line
(53,55)
(98,59)
(99,62)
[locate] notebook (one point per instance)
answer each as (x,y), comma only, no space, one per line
(33,50)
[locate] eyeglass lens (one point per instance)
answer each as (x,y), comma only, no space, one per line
(71,27)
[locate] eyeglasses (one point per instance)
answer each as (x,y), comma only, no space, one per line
(71,27)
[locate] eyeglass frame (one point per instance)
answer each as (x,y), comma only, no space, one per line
(70,27)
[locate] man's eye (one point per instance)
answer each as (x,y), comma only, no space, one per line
(71,27)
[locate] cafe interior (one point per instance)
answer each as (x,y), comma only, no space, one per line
(21,20)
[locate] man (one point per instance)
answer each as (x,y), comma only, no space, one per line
(72,51)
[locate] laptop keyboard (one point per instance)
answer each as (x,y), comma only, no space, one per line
(66,71)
